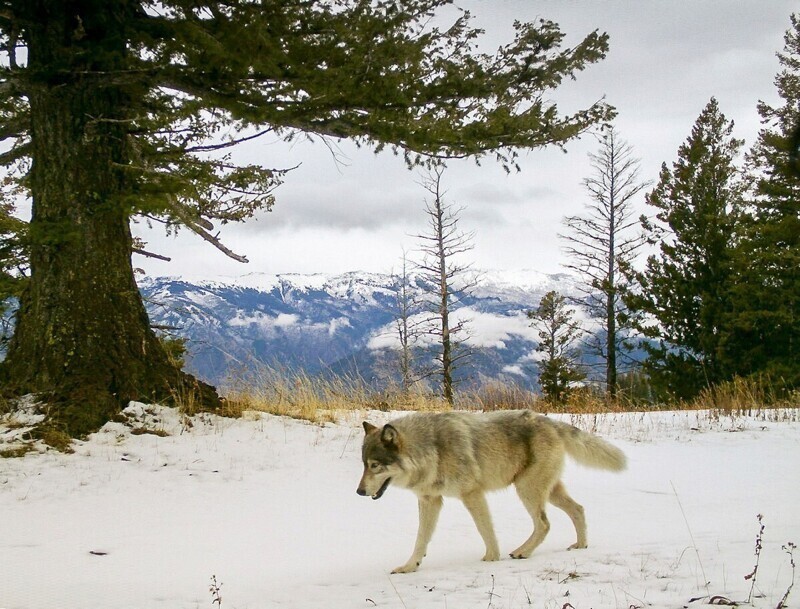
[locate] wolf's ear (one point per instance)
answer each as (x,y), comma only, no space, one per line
(390,436)
(368,427)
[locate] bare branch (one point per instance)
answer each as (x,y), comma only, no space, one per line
(141,252)
(214,240)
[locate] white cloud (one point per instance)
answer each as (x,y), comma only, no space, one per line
(516,370)
(483,330)
(491,330)
(285,320)
(335,324)
(265,322)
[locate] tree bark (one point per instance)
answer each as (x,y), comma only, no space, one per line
(611,287)
(82,337)
(444,305)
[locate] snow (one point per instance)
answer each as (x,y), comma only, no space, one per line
(362,285)
(267,506)
(521,283)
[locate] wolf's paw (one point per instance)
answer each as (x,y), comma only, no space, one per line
(409,567)
(491,556)
(519,553)
(578,546)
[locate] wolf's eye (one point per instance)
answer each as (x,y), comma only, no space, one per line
(374,466)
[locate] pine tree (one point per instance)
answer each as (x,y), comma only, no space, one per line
(558,335)
(765,333)
(116,109)
(602,245)
(684,296)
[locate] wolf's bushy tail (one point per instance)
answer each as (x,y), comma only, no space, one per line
(590,450)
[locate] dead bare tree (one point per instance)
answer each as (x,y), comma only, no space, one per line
(602,245)
(443,246)
(407,324)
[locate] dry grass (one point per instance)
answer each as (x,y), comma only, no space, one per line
(744,395)
(298,395)
(496,395)
(16,451)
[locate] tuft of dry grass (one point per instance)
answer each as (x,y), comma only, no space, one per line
(744,395)
(16,451)
(54,438)
(140,431)
(497,395)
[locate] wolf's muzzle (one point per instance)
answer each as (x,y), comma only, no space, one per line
(382,489)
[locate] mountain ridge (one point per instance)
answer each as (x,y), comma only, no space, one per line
(339,323)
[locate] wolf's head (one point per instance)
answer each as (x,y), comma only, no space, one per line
(381,456)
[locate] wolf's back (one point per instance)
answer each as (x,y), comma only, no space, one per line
(590,450)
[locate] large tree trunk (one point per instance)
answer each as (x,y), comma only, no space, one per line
(82,338)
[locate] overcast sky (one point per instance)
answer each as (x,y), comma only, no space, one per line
(666,60)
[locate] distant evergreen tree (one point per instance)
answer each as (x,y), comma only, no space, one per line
(602,245)
(558,335)
(765,334)
(683,302)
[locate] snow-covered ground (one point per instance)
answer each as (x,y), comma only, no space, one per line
(267,506)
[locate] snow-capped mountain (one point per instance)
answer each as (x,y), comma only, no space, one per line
(339,323)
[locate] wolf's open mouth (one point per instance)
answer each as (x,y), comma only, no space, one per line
(382,489)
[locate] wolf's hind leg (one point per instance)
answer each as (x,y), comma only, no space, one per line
(534,497)
(429,508)
(479,510)
(561,499)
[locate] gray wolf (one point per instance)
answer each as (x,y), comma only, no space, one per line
(464,455)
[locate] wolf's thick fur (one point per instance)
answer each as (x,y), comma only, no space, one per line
(464,455)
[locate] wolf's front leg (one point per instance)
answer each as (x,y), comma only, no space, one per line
(479,509)
(429,508)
